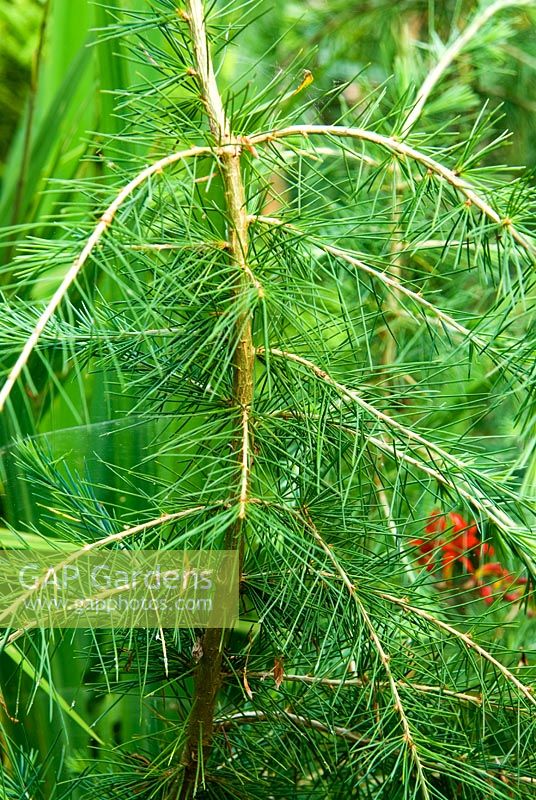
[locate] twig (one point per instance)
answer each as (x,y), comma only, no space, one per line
(477,498)
(247,717)
(327,151)
(526,691)
(112,538)
(383,656)
(393,284)
(101,227)
(161,246)
(362,683)
(398,454)
(451,53)
(402,149)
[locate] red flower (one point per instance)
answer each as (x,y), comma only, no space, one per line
(428,550)
(461,547)
(453,544)
(505,584)
(450,550)
(436,522)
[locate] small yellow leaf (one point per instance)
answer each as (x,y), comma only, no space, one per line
(307,80)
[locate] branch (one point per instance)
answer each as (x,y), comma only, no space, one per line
(397,454)
(402,149)
(327,151)
(476,502)
(101,227)
(88,548)
(384,657)
(392,283)
(465,638)
(477,498)
(246,717)
(527,691)
(158,247)
(362,683)
(450,54)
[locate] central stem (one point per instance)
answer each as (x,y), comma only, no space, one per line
(207,677)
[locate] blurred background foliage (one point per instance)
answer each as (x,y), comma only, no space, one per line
(63,103)
(19,23)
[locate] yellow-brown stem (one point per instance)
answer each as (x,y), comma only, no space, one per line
(207,677)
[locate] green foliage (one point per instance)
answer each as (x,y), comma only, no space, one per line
(19,23)
(305,371)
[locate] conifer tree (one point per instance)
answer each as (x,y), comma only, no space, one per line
(300,327)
